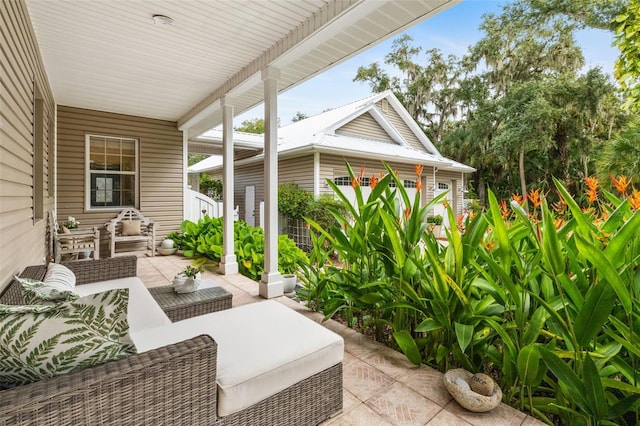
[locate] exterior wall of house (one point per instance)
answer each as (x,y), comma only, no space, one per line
(365,126)
(160,165)
(399,124)
(25,195)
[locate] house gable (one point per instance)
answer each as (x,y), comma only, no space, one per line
(365,126)
(401,126)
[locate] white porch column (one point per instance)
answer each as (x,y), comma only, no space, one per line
(316,174)
(228,263)
(185,175)
(271,281)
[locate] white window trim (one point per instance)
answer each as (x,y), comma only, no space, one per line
(87,173)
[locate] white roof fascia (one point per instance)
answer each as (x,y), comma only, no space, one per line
(404,114)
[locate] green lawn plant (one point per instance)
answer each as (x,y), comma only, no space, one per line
(544,298)
(203,239)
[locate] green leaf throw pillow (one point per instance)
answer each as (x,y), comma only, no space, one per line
(41,341)
(36,292)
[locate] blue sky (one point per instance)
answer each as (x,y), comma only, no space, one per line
(451,31)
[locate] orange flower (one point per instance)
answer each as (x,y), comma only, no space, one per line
(557,223)
(381,175)
(373,181)
(418,169)
(407,213)
(504,211)
(397,173)
(517,198)
(418,184)
(354,183)
(488,245)
(362,171)
(621,184)
(634,200)
(560,207)
(592,183)
(592,194)
(445,204)
(460,222)
(534,197)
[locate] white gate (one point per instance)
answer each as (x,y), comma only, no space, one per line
(250,205)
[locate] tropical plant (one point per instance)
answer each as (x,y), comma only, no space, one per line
(544,297)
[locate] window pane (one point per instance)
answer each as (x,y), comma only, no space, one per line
(113,162)
(128,163)
(108,157)
(129,148)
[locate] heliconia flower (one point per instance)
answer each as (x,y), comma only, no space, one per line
(418,169)
(560,206)
(373,181)
(558,222)
(634,200)
(517,198)
(381,175)
(418,184)
(362,171)
(488,245)
(354,183)
(460,222)
(504,210)
(397,173)
(535,198)
(592,183)
(592,195)
(407,213)
(621,184)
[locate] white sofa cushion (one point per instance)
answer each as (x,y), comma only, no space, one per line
(144,312)
(263,348)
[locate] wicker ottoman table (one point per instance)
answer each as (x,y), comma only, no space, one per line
(179,306)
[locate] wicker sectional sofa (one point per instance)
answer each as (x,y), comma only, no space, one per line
(180,375)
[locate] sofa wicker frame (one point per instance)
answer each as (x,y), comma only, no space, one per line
(171,385)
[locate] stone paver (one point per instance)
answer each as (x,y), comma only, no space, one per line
(381,387)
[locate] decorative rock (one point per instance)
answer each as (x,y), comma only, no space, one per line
(467,398)
(167,244)
(482,384)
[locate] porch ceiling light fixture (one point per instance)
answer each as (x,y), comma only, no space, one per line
(161,20)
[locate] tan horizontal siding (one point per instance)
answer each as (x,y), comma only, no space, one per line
(297,170)
(401,127)
(159,164)
(22,242)
(365,126)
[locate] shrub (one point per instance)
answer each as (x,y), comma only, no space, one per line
(435,220)
(321,208)
(210,187)
(293,201)
(204,239)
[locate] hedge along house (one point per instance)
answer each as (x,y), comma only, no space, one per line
(98,92)
(363,133)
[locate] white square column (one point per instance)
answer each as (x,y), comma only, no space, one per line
(271,280)
(228,262)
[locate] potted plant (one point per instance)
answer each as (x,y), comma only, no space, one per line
(289,282)
(188,280)
(435,224)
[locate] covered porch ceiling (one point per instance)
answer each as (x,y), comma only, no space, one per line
(110,56)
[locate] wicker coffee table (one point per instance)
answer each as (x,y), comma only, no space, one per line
(179,306)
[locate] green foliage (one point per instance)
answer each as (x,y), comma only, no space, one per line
(191,271)
(204,240)
(627,67)
(299,116)
(293,201)
(436,220)
(210,187)
(321,208)
(548,300)
(255,125)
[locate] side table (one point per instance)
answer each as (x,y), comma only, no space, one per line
(179,306)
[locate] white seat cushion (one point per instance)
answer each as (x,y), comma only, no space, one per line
(263,348)
(144,312)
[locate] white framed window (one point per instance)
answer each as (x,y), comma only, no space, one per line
(111,172)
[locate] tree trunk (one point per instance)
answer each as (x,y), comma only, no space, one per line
(482,191)
(523,183)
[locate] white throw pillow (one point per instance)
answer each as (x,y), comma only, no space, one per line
(60,277)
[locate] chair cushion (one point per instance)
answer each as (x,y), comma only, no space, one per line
(144,312)
(263,348)
(130,227)
(40,341)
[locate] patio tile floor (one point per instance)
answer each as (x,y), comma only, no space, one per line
(380,386)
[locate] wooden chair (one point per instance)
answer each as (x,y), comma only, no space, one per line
(124,229)
(73,242)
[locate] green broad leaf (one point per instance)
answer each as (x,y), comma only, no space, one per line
(500,231)
(528,365)
(441,353)
(428,325)
(620,240)
(583,225)
(628,404)
(594,313)
(606,271)
(535,326)
(408,346)
(622,386)
(371,298)
(464,334)
(566,376)
(392,234)
(551,249)
(594,389)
